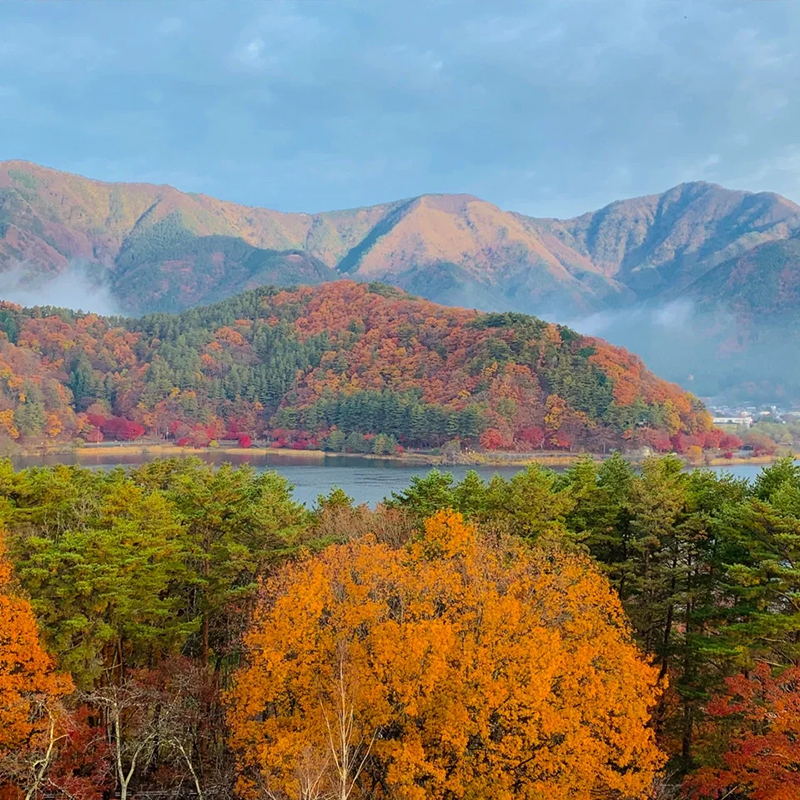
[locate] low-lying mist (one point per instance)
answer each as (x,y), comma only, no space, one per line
(709,351)
(81,287)
(673,339)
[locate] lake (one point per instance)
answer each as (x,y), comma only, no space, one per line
(365,480)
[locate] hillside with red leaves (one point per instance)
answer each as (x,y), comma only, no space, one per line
(346,366)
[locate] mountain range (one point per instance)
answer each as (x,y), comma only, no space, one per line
(159,249)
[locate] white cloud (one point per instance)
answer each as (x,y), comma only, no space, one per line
(250,54)
(276,37)
(77,287)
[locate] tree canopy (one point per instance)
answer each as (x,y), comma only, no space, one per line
(466,669)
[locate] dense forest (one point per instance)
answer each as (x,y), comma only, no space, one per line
(344,366)
(178,631)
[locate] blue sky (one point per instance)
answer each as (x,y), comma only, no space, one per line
(547,109)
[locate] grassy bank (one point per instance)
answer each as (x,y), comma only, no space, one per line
(736,460)
(555,459)
(166,450)
(545,458)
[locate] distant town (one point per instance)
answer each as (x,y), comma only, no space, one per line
(747,416)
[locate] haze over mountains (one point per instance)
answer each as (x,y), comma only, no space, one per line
(703,281)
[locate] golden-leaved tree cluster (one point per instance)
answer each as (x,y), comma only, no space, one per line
(31,715)
(455,667)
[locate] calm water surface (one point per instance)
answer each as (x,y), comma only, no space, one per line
(365,480)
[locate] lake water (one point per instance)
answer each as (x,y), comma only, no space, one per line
(365,480)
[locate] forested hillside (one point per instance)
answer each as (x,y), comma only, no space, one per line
(341,366)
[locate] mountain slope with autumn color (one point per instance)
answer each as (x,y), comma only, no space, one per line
(661,243)
(344,366)
(148,238)
(163,249)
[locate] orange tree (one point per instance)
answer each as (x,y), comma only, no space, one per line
(29,690)
(451,668)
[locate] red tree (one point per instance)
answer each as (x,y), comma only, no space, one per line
(122,429)
(533,436)
(762,761)
(94,436)
(730,442)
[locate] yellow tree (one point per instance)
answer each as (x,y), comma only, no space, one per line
(460,668)
(29,692)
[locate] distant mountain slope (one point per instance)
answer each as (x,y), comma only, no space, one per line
(762,281)
(341,359)
(455,248)
(661,243)
(483,250)
(49,218)
(205,269)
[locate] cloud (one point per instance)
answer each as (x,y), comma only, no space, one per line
(250,54)
(79,287)
(698,348)
(676,314)
(596,100)
(275,37)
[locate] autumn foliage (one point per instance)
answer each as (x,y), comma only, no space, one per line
(762,757)
(310,367)
(26,671)
(29,685)
(399,651)
(450,668)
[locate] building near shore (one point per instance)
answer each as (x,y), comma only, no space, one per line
(746,421)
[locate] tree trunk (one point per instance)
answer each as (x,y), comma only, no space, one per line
(206,647)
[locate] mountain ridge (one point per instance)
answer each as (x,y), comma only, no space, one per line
(631,249)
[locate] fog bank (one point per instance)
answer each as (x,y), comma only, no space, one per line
(80,287)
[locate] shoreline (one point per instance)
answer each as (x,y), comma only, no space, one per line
(721,462)
(174,450)
(548,458)
(425,459)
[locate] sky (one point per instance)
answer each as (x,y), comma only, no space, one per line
(546,109)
